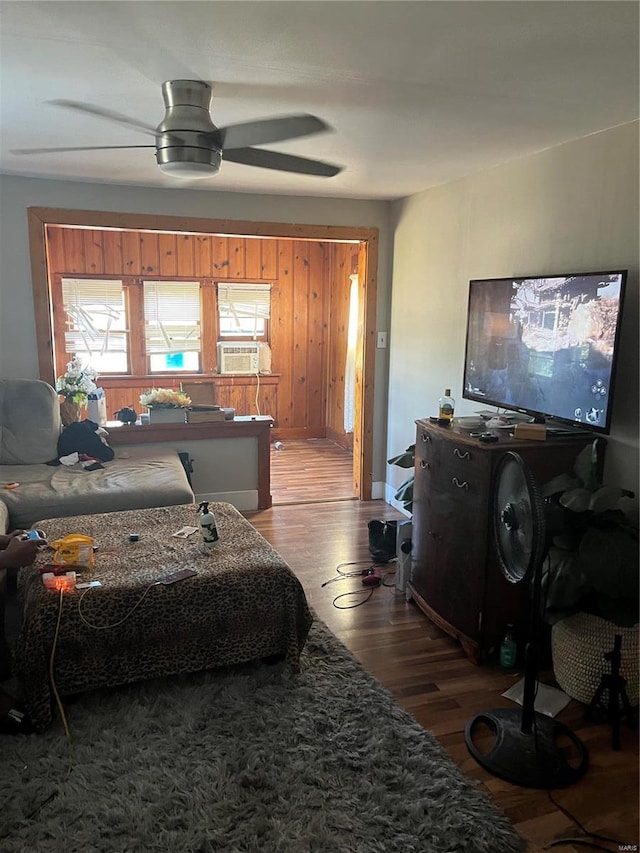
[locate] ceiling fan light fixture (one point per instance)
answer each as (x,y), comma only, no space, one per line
(190,146)
(188,171)
(190,162)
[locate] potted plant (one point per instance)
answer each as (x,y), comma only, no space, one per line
(74,387)
(404,492)
(590,581)
(165,405)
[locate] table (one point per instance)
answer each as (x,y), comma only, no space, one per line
(244,604)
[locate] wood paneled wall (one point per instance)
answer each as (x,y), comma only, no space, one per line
(308,325)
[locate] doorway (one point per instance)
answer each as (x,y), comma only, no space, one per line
(366,238)
(310,470)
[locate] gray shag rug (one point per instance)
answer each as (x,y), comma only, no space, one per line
(249,760)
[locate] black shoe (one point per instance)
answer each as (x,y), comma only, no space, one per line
(382,540)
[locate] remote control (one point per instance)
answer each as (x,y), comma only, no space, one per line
(177,576)
(488,437)
(35,536)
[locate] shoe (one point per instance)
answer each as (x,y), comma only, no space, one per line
(382,540)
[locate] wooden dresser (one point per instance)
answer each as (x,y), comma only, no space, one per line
(455,574)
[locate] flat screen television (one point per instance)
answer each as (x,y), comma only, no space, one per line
(546,346)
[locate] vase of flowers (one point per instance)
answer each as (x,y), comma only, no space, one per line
(74,386)
(165,405)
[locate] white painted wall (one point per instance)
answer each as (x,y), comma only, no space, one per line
(18,351)
(571,208)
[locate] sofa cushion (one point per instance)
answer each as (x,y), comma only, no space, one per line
(136,479)
(29,422)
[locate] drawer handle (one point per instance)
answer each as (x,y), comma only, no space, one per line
(465,455)
(426,437)
(464,485)
(424,465)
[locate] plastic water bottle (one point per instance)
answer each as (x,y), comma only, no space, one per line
(208,529)
(508,648)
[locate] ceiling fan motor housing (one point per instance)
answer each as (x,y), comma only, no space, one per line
(186,138)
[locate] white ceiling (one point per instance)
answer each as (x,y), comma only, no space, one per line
(418,93)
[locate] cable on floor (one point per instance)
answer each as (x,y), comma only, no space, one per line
(583,842)
(356,574)
(368,589)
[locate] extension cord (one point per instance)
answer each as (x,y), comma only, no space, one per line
(66,582)
(372,578)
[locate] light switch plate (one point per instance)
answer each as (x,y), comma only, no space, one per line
(382,340)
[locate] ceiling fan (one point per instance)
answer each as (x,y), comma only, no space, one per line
(189,145)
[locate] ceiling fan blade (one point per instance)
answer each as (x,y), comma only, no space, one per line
(269,130)
(99,112)
(282,162)
(82,148)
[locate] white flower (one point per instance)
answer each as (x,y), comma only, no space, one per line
(78,382)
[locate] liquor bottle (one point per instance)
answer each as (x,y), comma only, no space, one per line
(446,405)
(508,648)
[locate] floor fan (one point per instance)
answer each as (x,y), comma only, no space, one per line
(526,749)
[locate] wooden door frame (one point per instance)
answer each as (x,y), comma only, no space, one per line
(39,217)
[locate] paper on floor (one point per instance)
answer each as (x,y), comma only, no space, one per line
(549,700)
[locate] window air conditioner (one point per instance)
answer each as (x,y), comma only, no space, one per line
(238,357)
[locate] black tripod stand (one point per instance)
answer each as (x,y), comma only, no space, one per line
(615,684)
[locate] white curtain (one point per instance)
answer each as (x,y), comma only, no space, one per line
(350,365)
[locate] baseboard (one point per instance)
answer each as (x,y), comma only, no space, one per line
(342,439)
(282,433)
(379,492)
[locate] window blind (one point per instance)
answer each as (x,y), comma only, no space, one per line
(237,301)
(95,316)
(172,316)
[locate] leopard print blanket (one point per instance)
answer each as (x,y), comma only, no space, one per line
(243,604)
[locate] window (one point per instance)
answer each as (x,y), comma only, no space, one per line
(243,310)
(96,323)
(172,325)
(135,326)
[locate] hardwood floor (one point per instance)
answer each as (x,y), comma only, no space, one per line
(309,470)
(430,676)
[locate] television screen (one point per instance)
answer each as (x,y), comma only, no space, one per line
(546,346)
